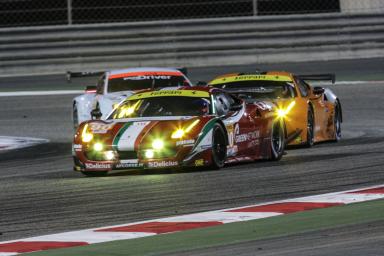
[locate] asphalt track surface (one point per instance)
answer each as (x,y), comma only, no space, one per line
(40,194)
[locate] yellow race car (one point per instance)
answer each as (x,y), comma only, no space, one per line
(311,114)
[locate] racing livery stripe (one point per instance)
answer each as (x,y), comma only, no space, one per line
(207,127)
(153,73)
(189,221)
(119,134)
(127,138)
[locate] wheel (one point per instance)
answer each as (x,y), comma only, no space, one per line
(75,117)
(310,128)
(277,140)
(337,122)
(94,174)
(219,147)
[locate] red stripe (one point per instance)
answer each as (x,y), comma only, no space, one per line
(161,227)
(146,73)
(379,190)
(288,207)
(21,247)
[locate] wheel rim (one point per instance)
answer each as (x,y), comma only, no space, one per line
(277,139)
(310,128)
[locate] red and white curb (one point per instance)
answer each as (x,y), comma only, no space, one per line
(8,143)
(190,221)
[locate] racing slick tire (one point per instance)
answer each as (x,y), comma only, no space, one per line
(337,122)
(219,147)
(310,128)
(277,140)
(94,174)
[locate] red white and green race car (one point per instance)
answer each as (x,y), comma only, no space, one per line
(186,127)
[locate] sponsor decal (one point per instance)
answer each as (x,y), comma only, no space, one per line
(232,151)
(147,77)
(162,164)
(299,139)
(184,142)
(253,143)
(199,162)
(77,147)
(98,166)
(100,127)
(247,136)
(251,78)
(129,163)
(163,93)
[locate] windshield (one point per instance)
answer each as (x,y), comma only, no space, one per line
(163,106)
(134,83)
(260,89)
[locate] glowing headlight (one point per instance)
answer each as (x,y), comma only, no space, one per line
(179,133)
(157,144)
(109,155)
(85,135)
(281,113)
(98,146)
(149,154)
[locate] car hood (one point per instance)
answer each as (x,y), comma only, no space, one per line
(135,134)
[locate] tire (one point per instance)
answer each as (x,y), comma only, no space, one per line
(94,174)
(219,147)
(337,122)
(277,140)
(75,117)
(310,128)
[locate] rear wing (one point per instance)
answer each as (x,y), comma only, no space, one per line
(70,75)
(319,77)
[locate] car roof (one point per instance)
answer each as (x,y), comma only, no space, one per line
(143,69)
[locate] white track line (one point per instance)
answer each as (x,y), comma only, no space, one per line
(8,143)
(40,93)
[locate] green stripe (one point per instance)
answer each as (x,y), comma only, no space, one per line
(119,134)
(207,127)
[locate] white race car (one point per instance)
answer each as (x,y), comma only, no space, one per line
(116,85)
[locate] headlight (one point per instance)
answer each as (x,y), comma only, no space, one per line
(109,155)
(149,153)
(98,146)
(282,113)
(157,144)
(179,133)
(85,135)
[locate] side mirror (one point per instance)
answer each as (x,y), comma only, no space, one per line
(96,114)
(236,107)
(318,90)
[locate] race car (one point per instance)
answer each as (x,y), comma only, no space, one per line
(311,114)
(188,127)
(114,86)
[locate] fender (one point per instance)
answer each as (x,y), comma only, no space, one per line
(330,96)
(84,104)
